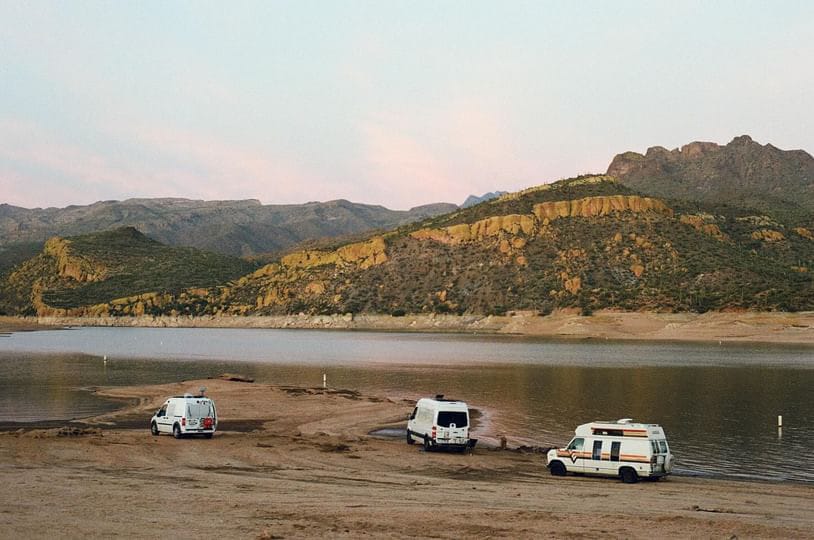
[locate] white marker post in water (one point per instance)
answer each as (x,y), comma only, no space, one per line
(324,380)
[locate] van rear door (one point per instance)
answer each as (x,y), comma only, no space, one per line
(453,427)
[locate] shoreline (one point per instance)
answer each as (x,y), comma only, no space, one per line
(292,462)
(747,327)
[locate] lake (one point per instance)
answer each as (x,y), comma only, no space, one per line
(718,403)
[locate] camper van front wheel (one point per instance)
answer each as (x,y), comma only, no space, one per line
(629,476)
(154,429)
(410,439)
(557,468)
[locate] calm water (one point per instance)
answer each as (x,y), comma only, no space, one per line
(718,404)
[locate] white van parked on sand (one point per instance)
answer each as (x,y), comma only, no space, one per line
(186,415)
(440,423)
(622,449)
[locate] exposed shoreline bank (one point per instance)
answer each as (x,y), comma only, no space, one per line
(756,327)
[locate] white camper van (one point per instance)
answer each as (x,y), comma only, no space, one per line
(622,449)
(440,423)
(186,415)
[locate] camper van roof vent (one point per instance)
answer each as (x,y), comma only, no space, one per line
(624,420)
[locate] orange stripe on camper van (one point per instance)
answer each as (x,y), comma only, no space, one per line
(634,457)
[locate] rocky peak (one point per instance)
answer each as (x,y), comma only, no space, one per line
(743,172)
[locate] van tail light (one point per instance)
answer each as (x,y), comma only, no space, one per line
(434,431)
(183,421)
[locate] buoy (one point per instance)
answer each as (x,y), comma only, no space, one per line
(779,420)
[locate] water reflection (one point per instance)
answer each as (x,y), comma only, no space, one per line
(719,405)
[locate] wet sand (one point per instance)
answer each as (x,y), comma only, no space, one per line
(292,462)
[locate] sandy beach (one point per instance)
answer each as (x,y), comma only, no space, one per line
(292,462)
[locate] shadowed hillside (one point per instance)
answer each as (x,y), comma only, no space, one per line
(100,268)
(238,228)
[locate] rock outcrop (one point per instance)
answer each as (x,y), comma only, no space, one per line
(705,224)
(599,206)
(72,266)
(543,213)
(361,254)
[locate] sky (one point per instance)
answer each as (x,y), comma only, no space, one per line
(398,103)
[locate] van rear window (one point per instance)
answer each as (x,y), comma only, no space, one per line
(446,418)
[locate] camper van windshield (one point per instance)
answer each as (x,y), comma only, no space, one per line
(446,418)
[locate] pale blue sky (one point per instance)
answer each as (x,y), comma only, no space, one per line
(384,102)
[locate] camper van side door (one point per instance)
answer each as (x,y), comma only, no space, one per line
(163,422)
(576,455)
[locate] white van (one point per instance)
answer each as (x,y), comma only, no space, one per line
(186,415)
(440,423)
(622,449)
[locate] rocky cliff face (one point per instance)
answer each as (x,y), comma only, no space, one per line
(742,172)
(70,265)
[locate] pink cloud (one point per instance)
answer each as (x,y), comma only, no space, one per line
(444,155)
(40,168)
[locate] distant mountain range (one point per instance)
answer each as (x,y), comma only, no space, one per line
(239,228)
(681,230)
(472,200)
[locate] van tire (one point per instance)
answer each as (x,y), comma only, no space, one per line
(629,476)
(176,431)
(154,429)
(557,468)
(427,444)
(410,439)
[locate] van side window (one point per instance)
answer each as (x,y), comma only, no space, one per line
(597,455)
(615,446)
(576,444)
(663,445)
(163,410)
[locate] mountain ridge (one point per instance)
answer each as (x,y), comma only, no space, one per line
(238,228)
(588,243)
(742,172)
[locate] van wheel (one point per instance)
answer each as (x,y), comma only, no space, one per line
(176,431)
(629,476)
(154,429)
(557,469)
(410,439)
(427,445)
